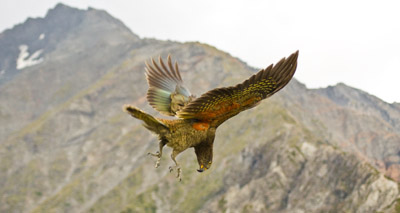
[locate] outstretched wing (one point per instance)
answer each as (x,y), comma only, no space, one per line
(218,105)
(166,92)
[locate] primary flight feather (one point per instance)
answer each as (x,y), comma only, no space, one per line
(198,118)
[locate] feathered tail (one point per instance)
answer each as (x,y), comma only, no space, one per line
(150,122)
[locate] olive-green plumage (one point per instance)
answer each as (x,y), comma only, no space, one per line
(198,118)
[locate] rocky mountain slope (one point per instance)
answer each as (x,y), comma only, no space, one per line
(66,145)
(375,127)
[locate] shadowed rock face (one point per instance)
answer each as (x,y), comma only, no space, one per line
(373,129)
(356,122)
(66,145)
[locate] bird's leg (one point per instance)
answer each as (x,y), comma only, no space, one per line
(158,154)
(177,167)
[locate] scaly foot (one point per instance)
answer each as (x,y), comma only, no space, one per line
(178,170)
(158,155)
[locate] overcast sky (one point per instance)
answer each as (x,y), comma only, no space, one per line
(356,42)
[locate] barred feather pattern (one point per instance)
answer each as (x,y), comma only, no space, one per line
(218,105)
(164,80)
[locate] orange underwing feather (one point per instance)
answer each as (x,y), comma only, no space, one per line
(220,104)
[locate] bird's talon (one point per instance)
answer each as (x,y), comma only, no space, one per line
(157,163)
(179,173)
(157,154)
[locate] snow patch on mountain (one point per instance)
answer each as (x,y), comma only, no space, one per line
(24,60)
(42,36)
(2,73)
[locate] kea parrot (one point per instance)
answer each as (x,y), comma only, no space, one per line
(197,119)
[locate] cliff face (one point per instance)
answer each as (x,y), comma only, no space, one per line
(370,127)
(66,145)
(353,120)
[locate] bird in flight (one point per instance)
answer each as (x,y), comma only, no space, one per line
(198,118)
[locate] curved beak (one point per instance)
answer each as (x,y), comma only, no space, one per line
(201,168)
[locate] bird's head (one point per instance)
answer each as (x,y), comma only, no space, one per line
(204,153)
(204,166)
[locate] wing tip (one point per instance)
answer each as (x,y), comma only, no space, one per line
(296,54)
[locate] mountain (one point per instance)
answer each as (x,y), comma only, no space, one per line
(54,58)
(353,120)
(369,126)
(66,145)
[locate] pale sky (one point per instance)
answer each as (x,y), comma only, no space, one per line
(355,42)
